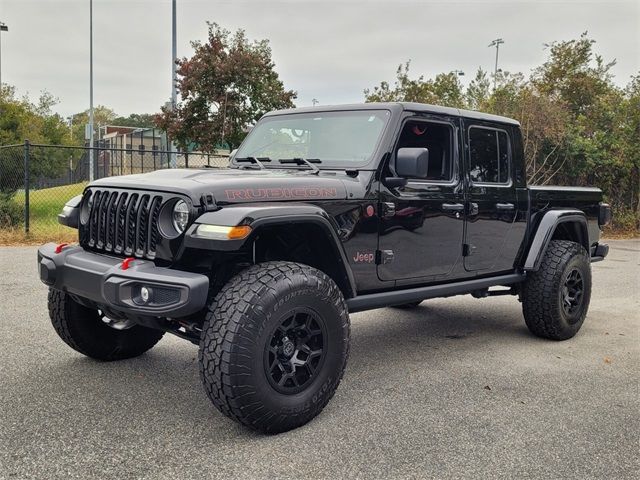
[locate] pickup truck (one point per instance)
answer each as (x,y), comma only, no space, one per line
(321,212)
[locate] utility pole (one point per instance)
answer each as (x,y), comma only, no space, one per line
(496,43)
(91,153)
(174,92)
(3,28)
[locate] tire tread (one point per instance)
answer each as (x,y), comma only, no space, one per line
(226,329)
(539,294)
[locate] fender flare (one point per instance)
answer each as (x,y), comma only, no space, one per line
(545,230)
(259,216)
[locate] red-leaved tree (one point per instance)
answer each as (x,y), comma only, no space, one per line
(226,86)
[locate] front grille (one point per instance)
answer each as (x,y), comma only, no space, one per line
(124,223)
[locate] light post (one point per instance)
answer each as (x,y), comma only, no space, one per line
(174,92)
(90,133)
(3,28)
(496,43)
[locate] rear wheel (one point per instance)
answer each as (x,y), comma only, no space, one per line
(274,345)
(89,332)
(555,299)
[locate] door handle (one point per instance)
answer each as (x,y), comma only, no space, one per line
(505,206)
(452,207)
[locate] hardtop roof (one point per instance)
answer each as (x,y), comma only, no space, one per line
(406,106)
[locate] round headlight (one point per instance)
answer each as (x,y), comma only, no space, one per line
(180,216)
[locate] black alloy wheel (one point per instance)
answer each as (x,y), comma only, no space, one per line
(572,293)
(295,352)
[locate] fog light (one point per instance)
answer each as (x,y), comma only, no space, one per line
(145,294)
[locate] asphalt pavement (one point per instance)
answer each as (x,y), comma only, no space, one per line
(456,388)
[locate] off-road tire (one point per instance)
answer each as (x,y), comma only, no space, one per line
(543,293)
(407,306)
(239,325)
(83,330)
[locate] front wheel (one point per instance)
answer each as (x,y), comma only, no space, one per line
(274,345)
(555,299)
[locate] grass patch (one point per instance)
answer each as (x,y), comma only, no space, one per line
(46,204)
(38,235)
(44,207)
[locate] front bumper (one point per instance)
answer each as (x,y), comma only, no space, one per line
(101,279)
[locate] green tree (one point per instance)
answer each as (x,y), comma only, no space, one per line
(138,120)
(20,120)
(225,87)
(478,91)
(101,116)
(445,89)
(628,124)
(574,74)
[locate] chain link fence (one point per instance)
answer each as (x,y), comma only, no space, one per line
(37,180)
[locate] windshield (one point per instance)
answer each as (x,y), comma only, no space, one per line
(331,139)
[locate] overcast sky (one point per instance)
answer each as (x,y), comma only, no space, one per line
(329,50)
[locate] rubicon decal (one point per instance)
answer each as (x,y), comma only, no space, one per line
(280,193)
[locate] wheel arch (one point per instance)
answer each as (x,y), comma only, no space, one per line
(306,222)
(556,225)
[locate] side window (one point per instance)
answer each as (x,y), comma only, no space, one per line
(437,138)
(489,153)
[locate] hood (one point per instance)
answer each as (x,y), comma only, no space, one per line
(239,186)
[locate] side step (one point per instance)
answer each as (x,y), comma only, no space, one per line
(398,297)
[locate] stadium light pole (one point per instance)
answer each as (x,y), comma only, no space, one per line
(496,43)
(91,156)
(174,92)
(3,28)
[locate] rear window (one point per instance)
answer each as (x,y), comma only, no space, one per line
(489,154)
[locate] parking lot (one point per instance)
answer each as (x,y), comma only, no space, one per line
(456,388)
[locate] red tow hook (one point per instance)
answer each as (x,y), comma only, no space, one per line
(126,262)
(60,246)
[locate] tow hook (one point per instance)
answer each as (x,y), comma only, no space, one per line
(60,247)
(126,263)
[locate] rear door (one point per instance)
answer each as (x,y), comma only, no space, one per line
(492,201)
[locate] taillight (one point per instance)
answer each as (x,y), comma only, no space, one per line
(604,215)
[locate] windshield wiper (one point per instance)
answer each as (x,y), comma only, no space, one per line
(304,161)
(257,160)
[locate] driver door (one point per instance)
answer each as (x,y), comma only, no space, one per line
(422,223)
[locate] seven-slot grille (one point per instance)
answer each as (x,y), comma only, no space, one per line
(122,222)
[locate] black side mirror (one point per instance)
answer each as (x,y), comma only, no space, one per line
(412,162)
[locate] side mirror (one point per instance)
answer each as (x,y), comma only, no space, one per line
(412,162)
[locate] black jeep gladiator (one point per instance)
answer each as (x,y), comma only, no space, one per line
(321,212)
